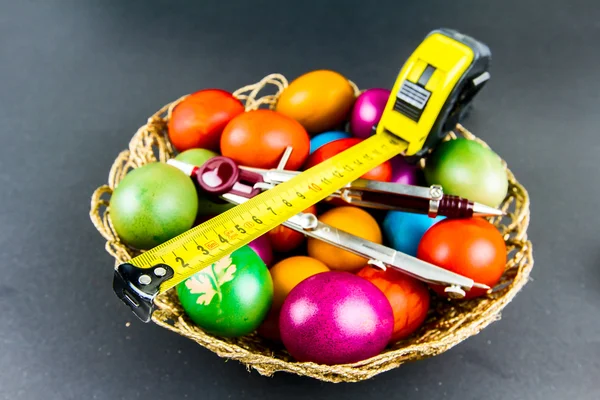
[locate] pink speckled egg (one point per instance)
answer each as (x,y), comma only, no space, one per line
(262,246)
(367,111)
(405,173)
(335,318)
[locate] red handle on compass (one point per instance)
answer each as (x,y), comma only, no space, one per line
(449,206)
(221,175)
(455,207)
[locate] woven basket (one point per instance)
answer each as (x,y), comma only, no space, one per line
(448,322)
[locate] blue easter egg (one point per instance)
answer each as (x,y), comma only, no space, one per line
(403,230)
(326,137)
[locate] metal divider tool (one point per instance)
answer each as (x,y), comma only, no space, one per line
(237,191)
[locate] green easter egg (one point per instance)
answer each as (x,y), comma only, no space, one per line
(196,157)
(152,204)
(232,297)
(206,207)
(468,169)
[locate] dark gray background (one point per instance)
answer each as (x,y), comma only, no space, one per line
(79,77)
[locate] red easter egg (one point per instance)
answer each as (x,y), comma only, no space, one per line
(382,172)
(284,239)
(408,297)
(471,247)
(269,328)
(199,119)
(258,138)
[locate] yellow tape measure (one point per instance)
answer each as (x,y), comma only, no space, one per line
(413,120)
(232,229)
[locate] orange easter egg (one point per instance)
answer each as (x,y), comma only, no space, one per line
(320,100)
(258,138)
(352,220)
(289,272)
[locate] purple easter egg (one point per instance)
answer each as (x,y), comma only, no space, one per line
(262,246)
(367,111)
(335,317)
(405,173)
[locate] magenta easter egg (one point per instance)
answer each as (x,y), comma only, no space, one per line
(351,320)
(367,111)
(405,173)
(262,247)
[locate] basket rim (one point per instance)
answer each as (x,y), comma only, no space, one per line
(153,131)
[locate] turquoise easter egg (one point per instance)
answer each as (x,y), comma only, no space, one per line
(326,137)
(403,230)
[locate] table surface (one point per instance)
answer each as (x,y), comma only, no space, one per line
(79,77)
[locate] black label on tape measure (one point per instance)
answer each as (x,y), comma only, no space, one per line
(411,100)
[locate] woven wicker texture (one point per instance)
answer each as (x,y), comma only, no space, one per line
(448,322)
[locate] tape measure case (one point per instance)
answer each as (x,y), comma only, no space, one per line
(447,324)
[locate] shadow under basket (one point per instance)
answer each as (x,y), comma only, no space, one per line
(448,322)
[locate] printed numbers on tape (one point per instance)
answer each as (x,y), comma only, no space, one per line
(210,241)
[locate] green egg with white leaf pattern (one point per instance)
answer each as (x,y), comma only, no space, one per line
(230,298)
